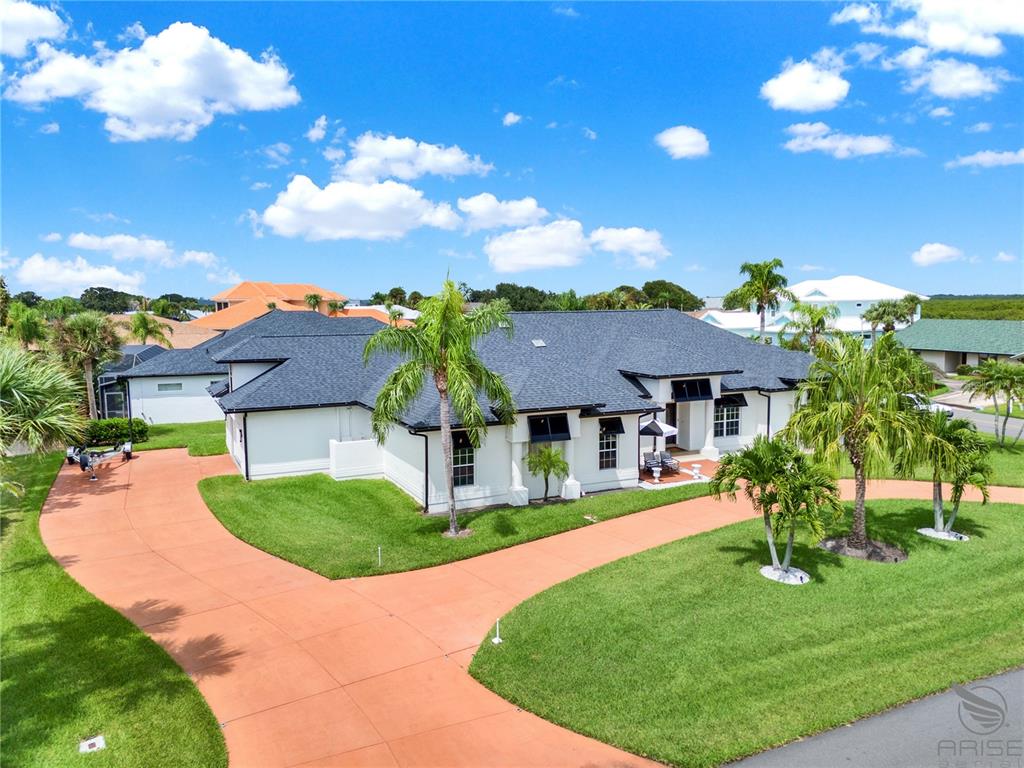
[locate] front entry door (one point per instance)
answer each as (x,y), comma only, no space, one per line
(670,419)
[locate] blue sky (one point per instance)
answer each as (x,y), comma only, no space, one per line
(176,146)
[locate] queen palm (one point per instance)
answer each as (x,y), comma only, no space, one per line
(441,345)
(39,404)
(975,471)
(811,324)
(313,301)
(995,379)
(854,403)
(25,324)
(547,461)
(807,494)
(85,340)
(144,326)
(765,288)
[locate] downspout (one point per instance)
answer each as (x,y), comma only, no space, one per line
(245,441)
(128,394)
(639,463)
(426,469)
(768,426)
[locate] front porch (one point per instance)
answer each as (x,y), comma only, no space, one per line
(693,468)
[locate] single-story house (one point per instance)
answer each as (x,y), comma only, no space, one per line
(110,399)
(947,344)
(584,381)
(173,387)
(250,299)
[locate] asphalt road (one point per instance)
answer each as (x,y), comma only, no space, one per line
(986,421)
(929,733)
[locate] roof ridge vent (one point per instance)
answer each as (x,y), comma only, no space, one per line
(538,342)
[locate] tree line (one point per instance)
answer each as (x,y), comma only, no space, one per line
(172,306)
(974,308)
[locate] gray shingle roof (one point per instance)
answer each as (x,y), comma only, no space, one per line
(588,360)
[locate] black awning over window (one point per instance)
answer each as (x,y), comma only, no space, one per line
(549,429)
(691,389)
(612,426)
(460,439)
(737,399)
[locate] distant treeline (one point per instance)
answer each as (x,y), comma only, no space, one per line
(1006,307)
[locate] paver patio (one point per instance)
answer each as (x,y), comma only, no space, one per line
(301,670)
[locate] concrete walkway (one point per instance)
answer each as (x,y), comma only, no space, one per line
(301,670)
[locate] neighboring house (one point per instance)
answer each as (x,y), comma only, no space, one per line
(174,387)
(181,335)
(584,381)
(381,313)
(947,344)
(110,390)
(852,294)
(249,300)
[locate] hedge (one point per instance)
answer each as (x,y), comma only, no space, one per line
(113,431)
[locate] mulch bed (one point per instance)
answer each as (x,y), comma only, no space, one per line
(876,551)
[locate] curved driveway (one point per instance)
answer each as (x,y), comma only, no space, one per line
(301,670)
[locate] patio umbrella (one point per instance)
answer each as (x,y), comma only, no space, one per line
(657,429)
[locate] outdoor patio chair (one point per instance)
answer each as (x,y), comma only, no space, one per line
(667,462)
(651,461)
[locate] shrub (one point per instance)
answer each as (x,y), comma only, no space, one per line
(964,369)
(113,431)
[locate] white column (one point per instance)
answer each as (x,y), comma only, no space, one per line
(709,448)
(518,493)
(571,486)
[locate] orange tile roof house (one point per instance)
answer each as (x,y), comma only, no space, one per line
(250,299)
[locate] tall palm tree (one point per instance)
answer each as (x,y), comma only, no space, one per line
(84,341)
(811,324)
(144,326)
(884,314)
(25,324)
(765,288)
(996,379)
(854,403)
(40,404)
(909,305)
(441,345)
(313,301)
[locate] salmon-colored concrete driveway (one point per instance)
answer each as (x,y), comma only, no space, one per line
(301,670)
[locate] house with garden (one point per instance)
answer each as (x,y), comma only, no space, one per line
(298,399)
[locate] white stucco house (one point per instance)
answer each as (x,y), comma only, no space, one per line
(852,294)
(299,401)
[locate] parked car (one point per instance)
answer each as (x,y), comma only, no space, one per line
(922,403)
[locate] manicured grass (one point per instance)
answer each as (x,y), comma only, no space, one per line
(1017,412)
(942,389)
(686,654)
(74,668)
(203,438)
(334,528)
(1007,465)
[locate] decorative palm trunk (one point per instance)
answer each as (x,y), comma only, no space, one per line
(546,476)
(995,407)
(446,450)
(761,310)
(789,547)
(1006,419)
(952,517)
(90,392)
(858,538)
(937,509)
(770,537)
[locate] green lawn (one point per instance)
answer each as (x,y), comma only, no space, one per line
(335,528)
(1007,465)
(74,668)
(1017,412)
(203,438)
(686,654)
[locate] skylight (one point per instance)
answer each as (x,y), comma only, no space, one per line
(538,343)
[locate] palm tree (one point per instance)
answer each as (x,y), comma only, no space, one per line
(807,494)
(334,307)
(441,345)
(909,305)
(547,461)
(271,305)
(995,379)
(39,404)
(85,340)
(765,288)
(975,470)
(811,324)
(25,324)
(144,326)
(313,301)
(854,402)
(884,314)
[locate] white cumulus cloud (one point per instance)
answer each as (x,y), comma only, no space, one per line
(485,211)
(683,141)
(819,137)
(169,87)
(346,210)
(644,246)
(50,128)
(122,247)
(979,128)
(511,118)
(589,133)
(23,23)
(53,276)
(377,157)
(953,79)
(52,237)
(256,186)
(277,154)
(935,253)
(1005,257)
(988,159)
(318,129)
(940,112)
(557,244)
(805,86)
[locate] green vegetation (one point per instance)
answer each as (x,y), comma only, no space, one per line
(763,289)
(202,438)
(974,307)
(75,668)
(685,654)
(1017,412)
(335,528)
